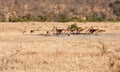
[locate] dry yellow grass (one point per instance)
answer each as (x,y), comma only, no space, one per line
(22,51)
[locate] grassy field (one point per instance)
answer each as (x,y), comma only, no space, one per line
(23,51)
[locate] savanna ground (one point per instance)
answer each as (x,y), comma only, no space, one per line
(22,51)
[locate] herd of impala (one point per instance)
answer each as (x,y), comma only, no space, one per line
(79,30)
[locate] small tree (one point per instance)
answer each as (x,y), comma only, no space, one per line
(73,26)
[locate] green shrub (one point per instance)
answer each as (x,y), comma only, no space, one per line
(111,20)
(95,19)
(62,18)
(42,18)
(21,19)
(118,19)
(73,26)
(74,19)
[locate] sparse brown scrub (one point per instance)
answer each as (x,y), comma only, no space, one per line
(103,48)
(4,64)
(50,9)
(114,65)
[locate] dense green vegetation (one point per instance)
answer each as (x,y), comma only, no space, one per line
(63,19)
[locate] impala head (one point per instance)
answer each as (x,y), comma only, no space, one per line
(101,30)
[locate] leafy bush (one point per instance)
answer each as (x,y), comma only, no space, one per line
(74,19)
(111,20)
(73,26)
(62,18)
(21,19)
(42,18)
(95,19)
(114,20)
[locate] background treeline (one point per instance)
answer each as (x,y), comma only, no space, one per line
(59,10)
